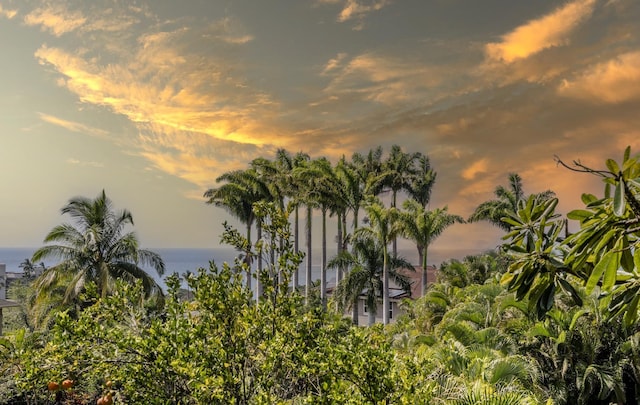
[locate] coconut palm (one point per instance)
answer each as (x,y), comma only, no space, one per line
(423,226)
(421,180)
(241,190)
(95,249)
(507,200)
(326,191)
(366,262)
(286,164)
(383,227)
(397,172)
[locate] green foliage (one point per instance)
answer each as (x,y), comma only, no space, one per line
(604,252)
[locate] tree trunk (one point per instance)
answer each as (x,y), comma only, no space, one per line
(395,239)
(307,287)
(259,287)
(372,316)
(355,317)
(339,274)
(247,258)
(423,290)
(323,264)
(385,287)
(296,273)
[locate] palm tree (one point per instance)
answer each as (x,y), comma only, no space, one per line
(326,191)
(507,200)
(95,249)
(423,226)
(286,164)
(383,227)
(421,180)
(366,262)
(241,190)
(398,170)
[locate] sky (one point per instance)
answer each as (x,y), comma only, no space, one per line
(152,100)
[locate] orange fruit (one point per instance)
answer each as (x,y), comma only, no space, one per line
(67,384)
(53,386)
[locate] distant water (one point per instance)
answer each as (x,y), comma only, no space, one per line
(187,259)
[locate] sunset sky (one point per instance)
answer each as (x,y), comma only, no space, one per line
(152,100)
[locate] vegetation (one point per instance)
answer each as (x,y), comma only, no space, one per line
(550,318)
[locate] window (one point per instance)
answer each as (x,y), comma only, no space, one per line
(366,310)
(390,310)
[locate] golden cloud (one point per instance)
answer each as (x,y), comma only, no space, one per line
(355,9)
(535,36)
(8,13)
(73,126)
(614,81)
(56,18)
(477,167)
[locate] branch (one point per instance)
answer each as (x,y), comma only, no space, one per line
(580,168)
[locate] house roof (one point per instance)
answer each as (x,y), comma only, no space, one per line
(8,303)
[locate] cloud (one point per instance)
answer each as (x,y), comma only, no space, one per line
(614,81)
(477,167)
(228,30)
(356,10)
(73,126)
(8,13)
(77,162)
(334,63)
(161,84)
(383,78)
(56,18)
(550,31)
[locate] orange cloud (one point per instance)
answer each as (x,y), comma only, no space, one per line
(614,81)
(535,36)
(57,19)
(477,167)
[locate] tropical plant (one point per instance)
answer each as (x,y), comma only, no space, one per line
(397,174)
(94,249)
(423,226)
(507,200)
(366,262)
(383,226)
(604,252)
(421,180)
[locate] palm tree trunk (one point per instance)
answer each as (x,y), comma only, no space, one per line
(339,274)
(395,239)
(385,287)
(296,273)
(354,311)
(259,287)
(323,264)
(307,287)
(423,289)
(355,317)
(247,258)
(372,317)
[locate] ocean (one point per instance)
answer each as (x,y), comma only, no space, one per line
(181,260)
(176,260)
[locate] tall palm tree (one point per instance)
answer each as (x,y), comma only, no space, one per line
(383,227)
(287,164)
(366,263)
(95,249)
(327,193)
(398,170)
(241,190)
(421,180)
(507,200)
(423,226)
